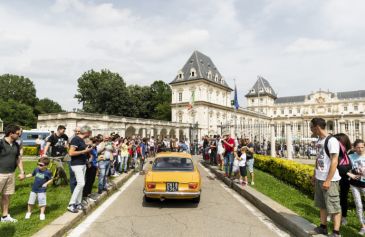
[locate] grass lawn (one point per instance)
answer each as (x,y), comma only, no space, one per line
(57,201)
(298,202)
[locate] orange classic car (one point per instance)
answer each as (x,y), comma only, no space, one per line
(173,175)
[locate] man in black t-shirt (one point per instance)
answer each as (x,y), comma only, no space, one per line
(57,142)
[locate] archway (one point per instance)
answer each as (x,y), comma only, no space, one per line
(172,133)
(130,131)
(163,133)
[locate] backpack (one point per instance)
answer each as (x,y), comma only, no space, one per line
(16,144)
(344,163)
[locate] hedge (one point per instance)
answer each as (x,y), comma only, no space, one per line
(291,172)
(30,151)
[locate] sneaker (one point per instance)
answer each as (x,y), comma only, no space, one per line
(8,219)
(334,235)
(80,207)
(343,221)
(320,230)
(84,201)
(362,231)
(27,215)
(94,196)
(329,218)
(42,217)
(252,183)
(72,209)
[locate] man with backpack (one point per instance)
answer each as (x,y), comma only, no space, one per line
(326,178)
(9,159)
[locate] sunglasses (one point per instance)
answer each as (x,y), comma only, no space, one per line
(41,164)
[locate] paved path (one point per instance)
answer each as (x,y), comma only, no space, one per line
(221,212)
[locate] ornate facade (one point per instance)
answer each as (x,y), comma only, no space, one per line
(200,83)
(202,98)
(343,111)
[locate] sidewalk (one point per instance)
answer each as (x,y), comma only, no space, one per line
(68,220)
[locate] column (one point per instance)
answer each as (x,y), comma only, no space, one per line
(289,143)
(143,132)
(187,134)
(272,140)
(152,131)
(363,129)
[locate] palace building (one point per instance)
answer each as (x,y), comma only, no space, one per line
(202,98)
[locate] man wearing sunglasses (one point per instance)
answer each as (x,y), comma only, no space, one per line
(9,160)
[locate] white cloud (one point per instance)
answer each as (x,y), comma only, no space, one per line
(311,45)
(303,45)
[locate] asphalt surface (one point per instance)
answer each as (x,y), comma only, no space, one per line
(221,212)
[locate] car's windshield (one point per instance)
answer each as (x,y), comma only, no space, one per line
(173,164)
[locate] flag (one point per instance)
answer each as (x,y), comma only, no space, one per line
(236,105)
(192,100)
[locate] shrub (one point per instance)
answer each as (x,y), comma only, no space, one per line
(30,151)
(291,172)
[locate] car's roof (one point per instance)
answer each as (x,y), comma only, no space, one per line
(174,154)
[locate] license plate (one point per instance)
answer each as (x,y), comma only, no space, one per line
(172,187)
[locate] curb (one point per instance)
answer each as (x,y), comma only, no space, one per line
(284,217)
(67,221)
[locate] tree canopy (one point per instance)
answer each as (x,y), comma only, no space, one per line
(19,103)
(106,92)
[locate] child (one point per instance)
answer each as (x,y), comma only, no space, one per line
(43,177)
(242,164)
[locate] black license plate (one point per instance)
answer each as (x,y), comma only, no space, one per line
(172,187)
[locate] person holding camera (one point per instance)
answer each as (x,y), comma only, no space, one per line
(79,153)
(228,144)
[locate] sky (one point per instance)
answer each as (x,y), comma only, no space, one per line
(299,46)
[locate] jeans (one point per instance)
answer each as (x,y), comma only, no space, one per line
(72,178)
(228,163)
(357,192)
(79,171)
(89,180)
(104,166)
(344,193)
(123,163)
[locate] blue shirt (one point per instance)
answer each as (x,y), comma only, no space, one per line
(358,168)
(40,178)
(94,154)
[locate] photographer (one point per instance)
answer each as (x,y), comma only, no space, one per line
(228,144)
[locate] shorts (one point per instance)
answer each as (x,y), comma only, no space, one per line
(327,199)
(249,164)
(42,199)
(243,171)
(7,184)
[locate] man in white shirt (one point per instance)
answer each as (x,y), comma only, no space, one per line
(326,178)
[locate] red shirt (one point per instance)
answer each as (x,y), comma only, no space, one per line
(228,148)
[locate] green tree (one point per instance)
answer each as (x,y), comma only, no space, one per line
(17,88)
(13,112)
(139,101)
(103,92)
(46,105)
(161,100)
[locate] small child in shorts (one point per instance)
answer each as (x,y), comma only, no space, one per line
(43,177)
(242,164)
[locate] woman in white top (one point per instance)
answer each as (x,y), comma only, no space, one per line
(242,164)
